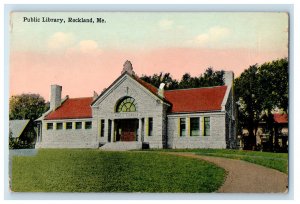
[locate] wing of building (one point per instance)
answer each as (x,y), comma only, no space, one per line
(131,114)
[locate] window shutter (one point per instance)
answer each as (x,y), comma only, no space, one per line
(202,126)
(45,125)
(147,126)
(73,126)
(178,126)
(99,127)
(64,125)
(54,126)
(188,126)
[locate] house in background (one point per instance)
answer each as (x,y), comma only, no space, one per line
(22,131)
(274,137)
(131,114)
(280,133)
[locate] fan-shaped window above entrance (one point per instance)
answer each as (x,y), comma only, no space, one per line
(126,104)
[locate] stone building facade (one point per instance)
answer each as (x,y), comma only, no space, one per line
(132,114)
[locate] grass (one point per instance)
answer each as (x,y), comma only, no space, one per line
(278,161)
(85,170)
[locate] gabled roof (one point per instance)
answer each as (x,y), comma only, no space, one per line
(196,99)
(16,127)
(72,108)
(181,100)
(148,86)
(281,118)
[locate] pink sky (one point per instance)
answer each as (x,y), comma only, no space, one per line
(81,74)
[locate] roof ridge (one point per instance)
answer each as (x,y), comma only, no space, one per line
(137,77)
(207,87)
(81,97)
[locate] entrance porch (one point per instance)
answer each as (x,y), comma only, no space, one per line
(124,134)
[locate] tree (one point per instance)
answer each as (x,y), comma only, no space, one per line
(247,90)
(157,79)
(274,88)
(274,84)
(258,91)
(209,78)
(26,106)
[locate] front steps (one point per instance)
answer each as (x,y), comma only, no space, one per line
(121,146)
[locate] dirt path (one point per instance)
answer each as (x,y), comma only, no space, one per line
(245,177)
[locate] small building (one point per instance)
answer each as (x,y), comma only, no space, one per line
(131,114)
(22,131)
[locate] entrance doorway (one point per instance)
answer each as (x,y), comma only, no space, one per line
(126,129)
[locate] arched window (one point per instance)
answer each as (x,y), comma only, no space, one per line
(127,104)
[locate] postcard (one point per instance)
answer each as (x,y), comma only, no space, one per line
(149,102)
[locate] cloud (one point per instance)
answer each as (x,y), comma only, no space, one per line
(214,35)
(85,47)
(88,46)
(60,40)
(166,24)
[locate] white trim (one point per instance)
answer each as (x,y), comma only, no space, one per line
(117,83)
(196,114)
(69,120)
(225,99)
(107,92)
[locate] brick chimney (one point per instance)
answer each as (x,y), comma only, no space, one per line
(55,99)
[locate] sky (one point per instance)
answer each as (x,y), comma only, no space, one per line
(87,57)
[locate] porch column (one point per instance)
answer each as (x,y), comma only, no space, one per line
(112,132)
(140,130)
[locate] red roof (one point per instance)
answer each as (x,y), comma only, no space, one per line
(182,101)
(281,118)
(197,99)
(148,86)
(72,108)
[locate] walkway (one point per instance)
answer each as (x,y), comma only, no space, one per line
(245,177)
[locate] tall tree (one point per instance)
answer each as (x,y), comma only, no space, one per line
(26,106)
(259,90)
(247,90)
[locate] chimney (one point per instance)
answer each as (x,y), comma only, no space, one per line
(55,100)
(161,90)
(228,78)
(95,95)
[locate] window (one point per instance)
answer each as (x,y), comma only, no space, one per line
(206,126)
(78,125)
(59,126)
(194,131)
(102,127)
(150,133)
(182,127)
(49,126)
(88,125)
(126,105)
(69,125)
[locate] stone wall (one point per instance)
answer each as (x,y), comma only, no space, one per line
(68,138)
(147,105)
(230,122)
(215,140)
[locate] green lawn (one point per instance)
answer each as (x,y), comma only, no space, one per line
(278,161)
(86,170)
